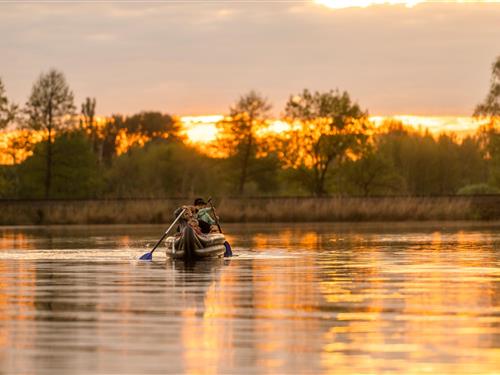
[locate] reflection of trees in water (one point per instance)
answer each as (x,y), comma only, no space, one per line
(91,315)
(286,300)
(17,281)
(295,238)
(12,240)
(67,324)
(334,302)
(251,315)
(191,280)
(200,289)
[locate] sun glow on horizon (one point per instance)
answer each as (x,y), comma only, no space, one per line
(462,125)
(203,129)
(342,4)
(200,129)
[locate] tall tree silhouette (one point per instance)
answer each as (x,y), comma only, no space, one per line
(88,122)
(491,105)
(329,128)
(7,110)
(490,134)
(50,108)
(238,132)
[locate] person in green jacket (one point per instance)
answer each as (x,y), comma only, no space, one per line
(204,215)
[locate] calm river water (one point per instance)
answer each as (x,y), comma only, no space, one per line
(308,298)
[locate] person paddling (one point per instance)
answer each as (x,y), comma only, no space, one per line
(201,219)
(206,222)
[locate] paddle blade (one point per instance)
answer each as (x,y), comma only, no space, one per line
(147,256)
(228,253)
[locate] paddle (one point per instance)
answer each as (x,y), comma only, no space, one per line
(149,256)
(228,252)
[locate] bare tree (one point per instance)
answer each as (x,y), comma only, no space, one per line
(88,122)
(7,110)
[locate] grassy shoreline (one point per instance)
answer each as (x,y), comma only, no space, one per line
(335,209)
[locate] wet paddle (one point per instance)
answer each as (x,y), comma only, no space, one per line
(149,256)
(228,252)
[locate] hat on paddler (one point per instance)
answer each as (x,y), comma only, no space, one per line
(199,202)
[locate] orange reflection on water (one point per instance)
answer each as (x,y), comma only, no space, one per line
(14,240)
(198,339)
(17,294)
(282,301)
(260,241)
(207,343)
(285,238)
(309,240)
(368,302)
(437,293)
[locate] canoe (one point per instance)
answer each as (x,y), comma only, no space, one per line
(190,245)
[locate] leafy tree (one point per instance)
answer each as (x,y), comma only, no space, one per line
(263,175)
(8,181)
(50,108)
(119,133)
(160,169)
(7,110)
(154,125)
(237,134)
(372,174)
(491,105)
(191,173)
(415,157)
(75,173)
(472,164)
(18,146)
(446,164)
(490,134)
(328,128)
(429,165)
(109,134)
(265,172)
(489,138)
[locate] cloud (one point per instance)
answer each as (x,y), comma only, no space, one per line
(342,4)
(195,58)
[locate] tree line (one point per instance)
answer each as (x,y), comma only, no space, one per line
(330,148)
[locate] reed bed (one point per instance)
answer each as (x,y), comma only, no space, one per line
(347,209)
(142,211)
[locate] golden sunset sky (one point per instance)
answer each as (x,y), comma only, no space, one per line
(196,57)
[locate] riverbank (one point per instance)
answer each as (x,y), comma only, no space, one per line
(336,209)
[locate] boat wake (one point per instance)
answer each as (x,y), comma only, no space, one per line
(267,254)
(128,254)
(88,255)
